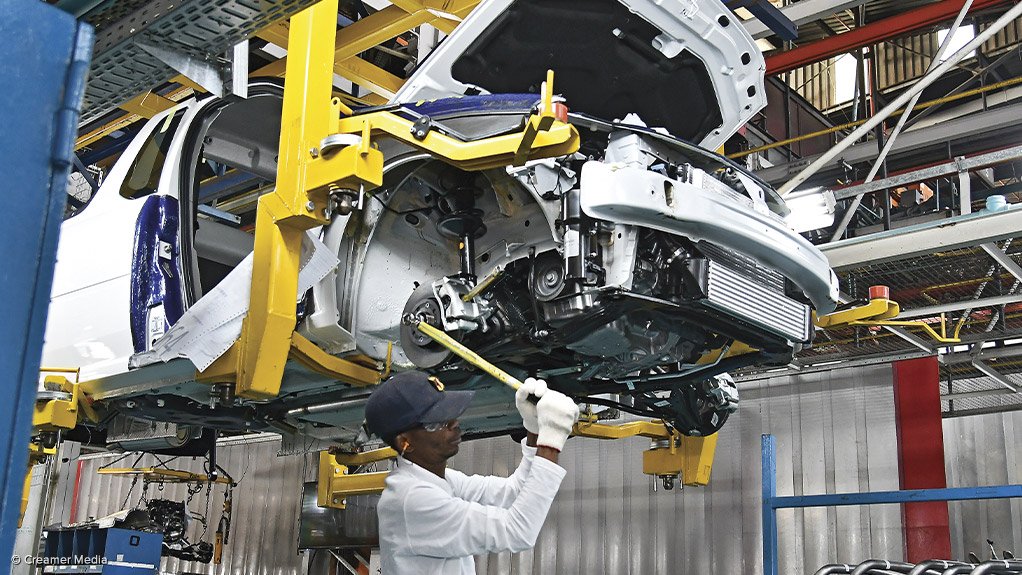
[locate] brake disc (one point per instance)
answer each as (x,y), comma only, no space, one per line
(419,348)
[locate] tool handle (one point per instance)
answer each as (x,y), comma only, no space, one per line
(472,357)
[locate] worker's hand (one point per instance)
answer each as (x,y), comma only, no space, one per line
(530,418)
(557,414)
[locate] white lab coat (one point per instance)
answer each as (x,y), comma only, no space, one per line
(432,525)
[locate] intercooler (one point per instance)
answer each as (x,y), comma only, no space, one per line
(740,287)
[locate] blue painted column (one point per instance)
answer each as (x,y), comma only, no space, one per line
(769,446)
(45,55)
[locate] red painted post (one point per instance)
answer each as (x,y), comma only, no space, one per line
(921,457)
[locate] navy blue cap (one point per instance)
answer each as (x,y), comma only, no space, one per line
(410,399)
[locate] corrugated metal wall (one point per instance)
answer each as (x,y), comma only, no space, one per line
(816,83)
(984,450)
(267,502)
(835,432)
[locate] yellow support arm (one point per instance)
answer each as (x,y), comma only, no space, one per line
(876,310)
(676,455)
(162,475)
(335,483)
(879,313)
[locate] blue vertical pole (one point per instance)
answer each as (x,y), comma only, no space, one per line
(47,55)
(769,512)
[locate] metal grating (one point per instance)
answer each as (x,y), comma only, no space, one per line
(931,281)
(990,396)
(199,28)
(942,280)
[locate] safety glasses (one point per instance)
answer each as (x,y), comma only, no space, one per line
(434,427)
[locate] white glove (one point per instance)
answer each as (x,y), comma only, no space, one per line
(530,418)
(557,414)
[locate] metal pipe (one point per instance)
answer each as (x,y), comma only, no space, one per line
(484,284)
(889,145)
(930,172)
(834,569)
(998,566)
(924,82)
(958,569)
(871,564)
(330,406)
(926,567)
(993,374)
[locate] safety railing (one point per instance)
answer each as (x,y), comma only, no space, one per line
(772,502)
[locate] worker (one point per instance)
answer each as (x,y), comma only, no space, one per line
(433,519)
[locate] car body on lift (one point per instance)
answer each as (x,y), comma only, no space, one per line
(628,274)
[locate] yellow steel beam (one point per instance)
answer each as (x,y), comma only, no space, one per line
(376,29)
(147,105)
(690,457)
(123,122)
(371,31)
(876,309)
(355,69)
(369,76)
(276,33)
(653,429)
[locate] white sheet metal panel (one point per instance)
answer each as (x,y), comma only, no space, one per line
(984,450)
(835,432)
(267,501)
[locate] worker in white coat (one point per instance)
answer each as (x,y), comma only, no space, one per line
(433,519)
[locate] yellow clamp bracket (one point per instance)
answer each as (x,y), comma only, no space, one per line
(538,123)
(335,482)
(58,414)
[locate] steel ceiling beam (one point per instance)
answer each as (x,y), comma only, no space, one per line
(935,310)
(915,176)
(1003,259)
(994,374)
(802,13)
(955,129)
(874,33)
(922,239)
(975,394)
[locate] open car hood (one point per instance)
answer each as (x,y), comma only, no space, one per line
(687,66)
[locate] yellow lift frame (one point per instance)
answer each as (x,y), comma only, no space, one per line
(310,173)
